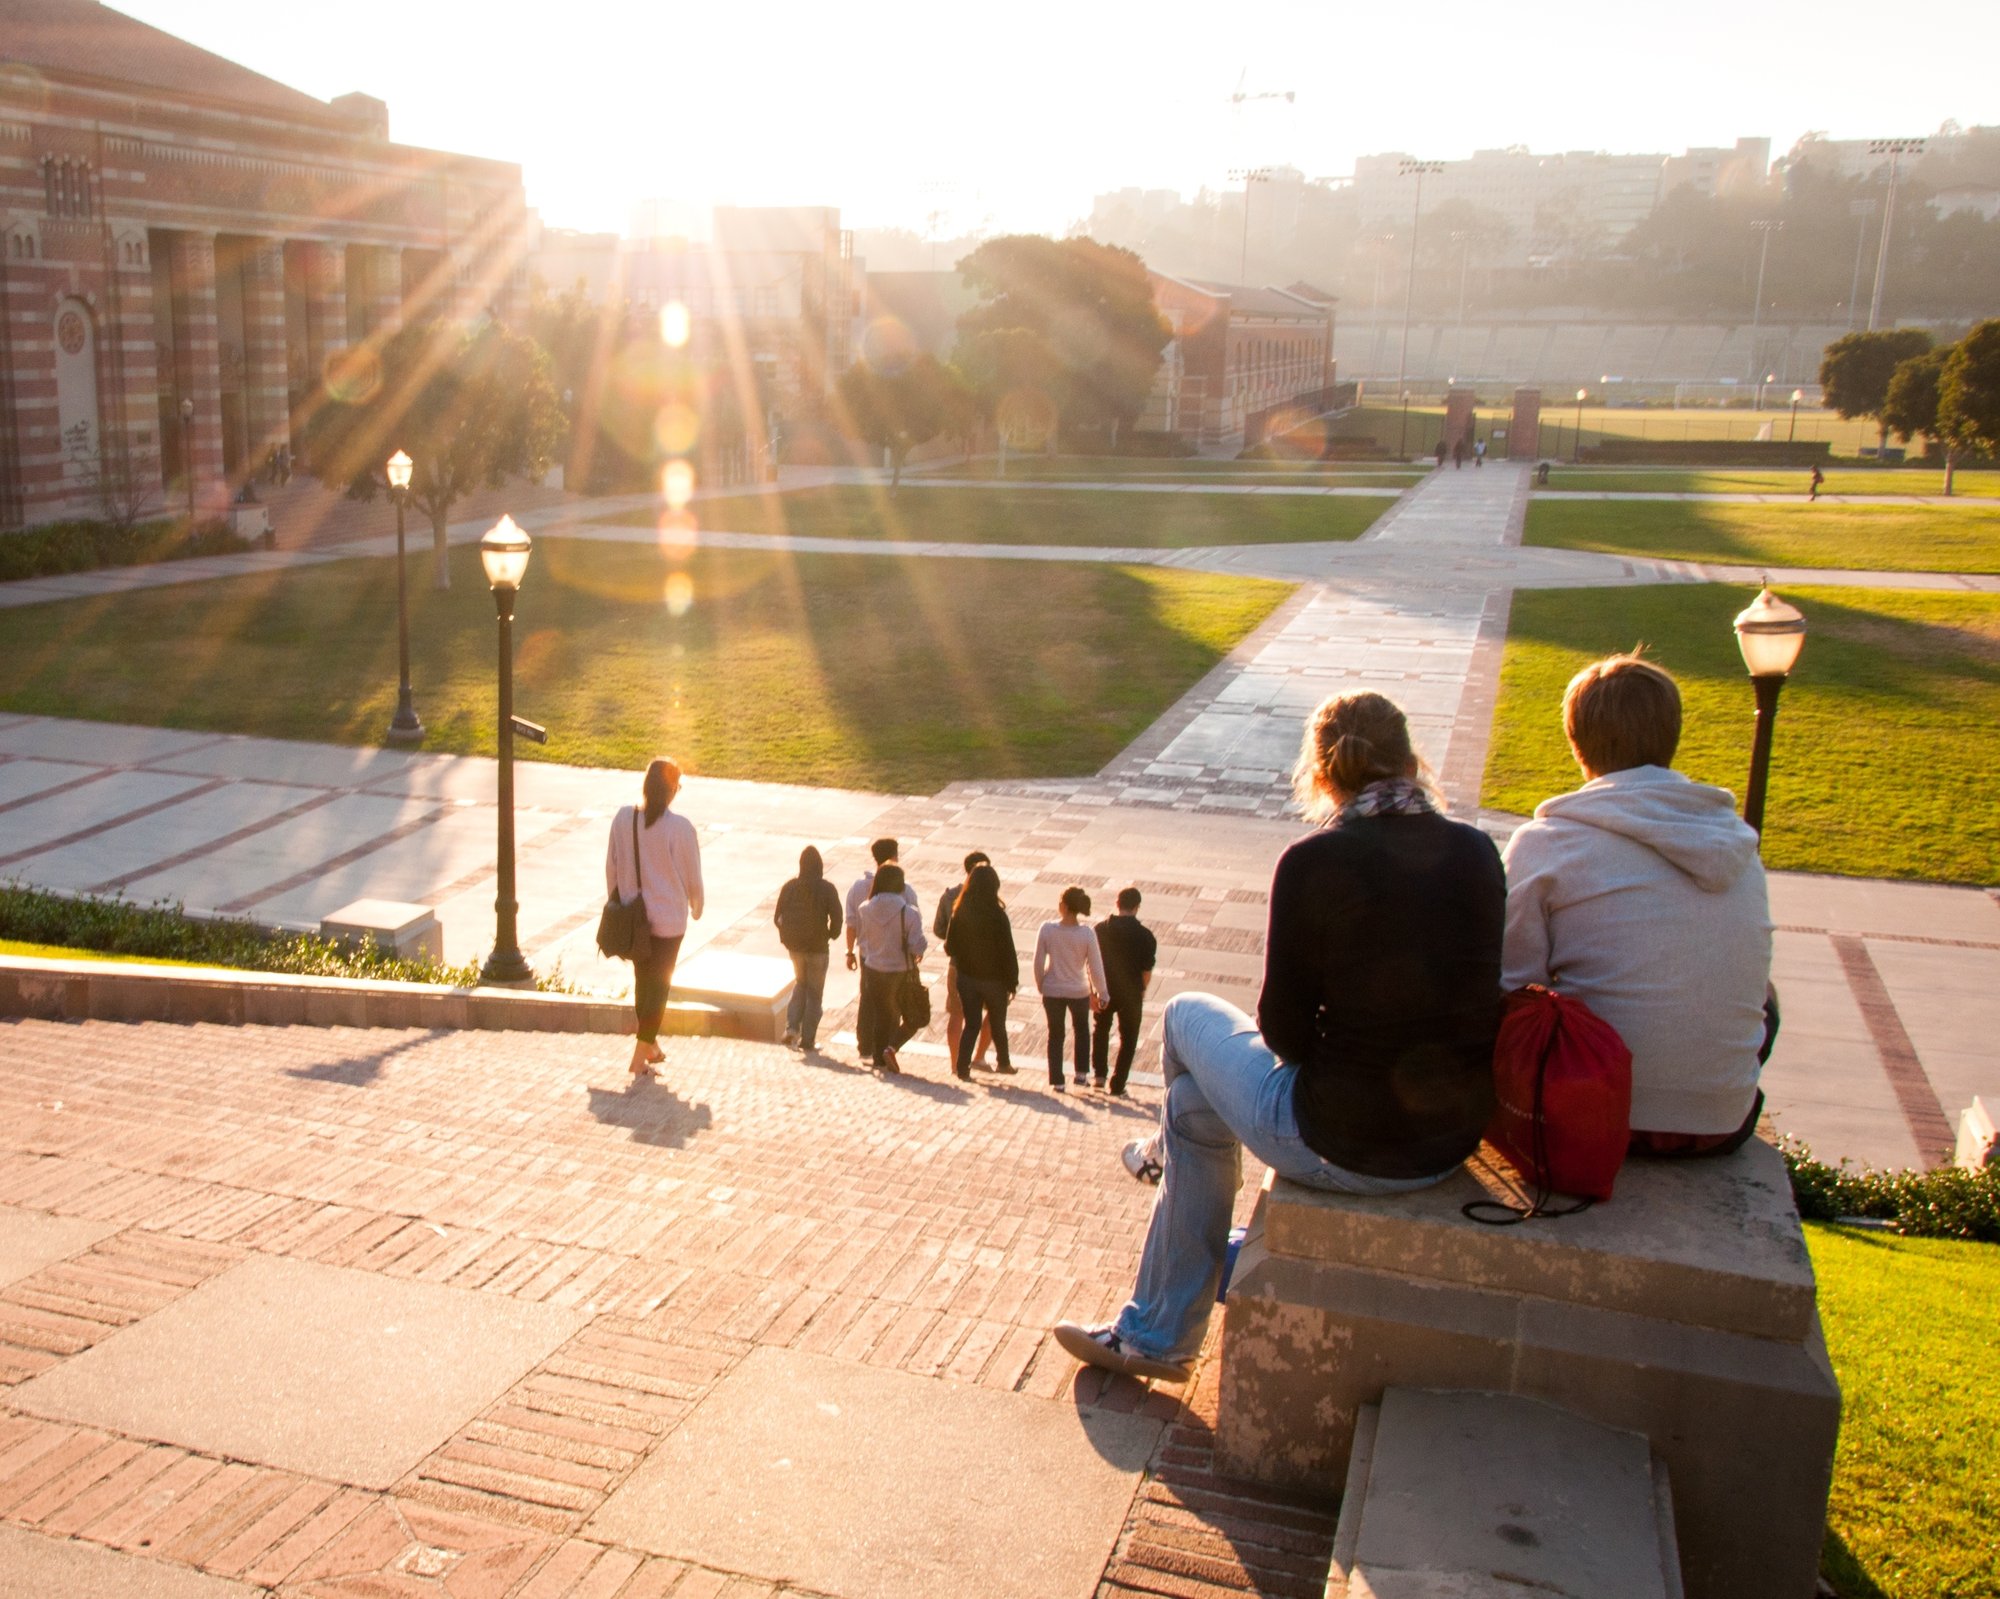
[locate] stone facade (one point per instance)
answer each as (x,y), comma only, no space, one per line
(1237,353)
(189,252)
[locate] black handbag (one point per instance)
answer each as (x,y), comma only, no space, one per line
(913,997)
(622,930)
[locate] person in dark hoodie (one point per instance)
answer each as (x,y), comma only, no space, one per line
(1642,894)
(808,920)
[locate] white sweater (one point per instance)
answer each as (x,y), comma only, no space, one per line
(1068,963)
(1642,895)
(669,869)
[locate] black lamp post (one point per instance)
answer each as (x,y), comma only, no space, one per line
(1576,450)
(1770,633)
(1793,432)
(187,455)
(406,728)
(504,554)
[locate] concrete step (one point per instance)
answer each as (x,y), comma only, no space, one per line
(1464,1495)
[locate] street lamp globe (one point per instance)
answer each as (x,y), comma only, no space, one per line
(399,467)
(1798,395)
(504,554)
(1770,633)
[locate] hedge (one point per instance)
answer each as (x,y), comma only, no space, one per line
(84,546)
(1950,1202)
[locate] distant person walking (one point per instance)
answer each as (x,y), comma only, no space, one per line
(1479,453)
(954,1010)
(1130,951)
(654,854)
(1812,488)
(987,969)
(1069,970)
(890,936)
(1457,454)
(808,920)
(1439,452)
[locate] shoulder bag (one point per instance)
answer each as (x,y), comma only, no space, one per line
(622,930)
(913,998)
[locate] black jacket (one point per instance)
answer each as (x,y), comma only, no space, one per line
(980,943)
(1382,984)
(808,916)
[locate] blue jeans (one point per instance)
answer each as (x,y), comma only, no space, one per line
(1226,1092)
(802,1015)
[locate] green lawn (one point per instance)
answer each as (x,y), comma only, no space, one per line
(1384,423)
(844,670)
(1851,480)
(1887,538)
(1040,516)
(1914,1334)
(1194,469)
(1888,733)
(15,946)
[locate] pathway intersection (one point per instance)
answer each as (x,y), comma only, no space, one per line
(671,1307)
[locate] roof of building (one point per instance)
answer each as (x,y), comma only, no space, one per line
(80,38)
(1259,302)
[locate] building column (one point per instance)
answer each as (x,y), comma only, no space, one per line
(326,309)
(129,397)
(385,290)
(198,352)
(266,400)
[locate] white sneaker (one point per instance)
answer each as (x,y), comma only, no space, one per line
(1141,1162)
(1102,1347)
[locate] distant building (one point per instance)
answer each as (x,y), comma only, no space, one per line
(190,253)
(1981,199)
(1238,353)
(1716,171)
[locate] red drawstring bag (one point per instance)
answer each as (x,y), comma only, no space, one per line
(1562,1080)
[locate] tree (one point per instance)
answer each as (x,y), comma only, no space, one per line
(897,408)
(1911,405)
(470,406)
(1968,412)
(1092,305)
(1016,381)
(1856,369)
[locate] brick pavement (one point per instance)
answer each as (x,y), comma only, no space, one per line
(750,1200)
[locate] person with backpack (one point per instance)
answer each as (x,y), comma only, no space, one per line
(1642,895)
(1368,1068)
(889,933)
(808,920)
(980,943)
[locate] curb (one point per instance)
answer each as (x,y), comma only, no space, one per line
(43,989)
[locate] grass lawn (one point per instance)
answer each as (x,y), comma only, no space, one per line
(15,946)
(1851,480)
(1914,1334)
(1888,734)
(1193,469)
(827,669)
(1041,516)
(1384,424)
(1886,538)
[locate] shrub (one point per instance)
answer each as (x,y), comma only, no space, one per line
(84,546)
(162,932)
(1950,1202)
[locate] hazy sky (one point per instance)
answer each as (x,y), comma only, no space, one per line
(1013,116)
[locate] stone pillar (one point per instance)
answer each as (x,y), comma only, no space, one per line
(1524,437)
(326,309)
(1459,421)
(198,354)
(130,399)
(266,399)
(385,290)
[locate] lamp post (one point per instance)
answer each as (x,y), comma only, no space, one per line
(1770,633)
(504,554)
(1861,211)
(1797,395)
(1418,170)
(1247,176)
(1576,450)
(1894,149)
(405,728)
(187,456)
(1766,228)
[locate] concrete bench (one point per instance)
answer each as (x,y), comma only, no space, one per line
(1485,1496)
(1978,1141)
(1683,1310)
(753,990)
(406,931)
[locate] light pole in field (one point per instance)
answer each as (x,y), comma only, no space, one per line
(405,727)
(1576,450)
(1770,633)
(1895,150)
(1418,170)
(1766,227)
(1797,395)
(504,554)
(1247,176)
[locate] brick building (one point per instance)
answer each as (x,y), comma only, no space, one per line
(1238,354)
(182,238)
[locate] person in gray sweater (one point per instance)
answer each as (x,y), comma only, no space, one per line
(889,934)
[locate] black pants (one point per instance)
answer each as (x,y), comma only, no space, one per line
(1126,1011)
(1078,1013)
(652,975)
(982,999)
(878,1025)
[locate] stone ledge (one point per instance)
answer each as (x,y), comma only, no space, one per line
(59,990)
(1709,1243)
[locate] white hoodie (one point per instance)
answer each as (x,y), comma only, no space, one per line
(1642,895)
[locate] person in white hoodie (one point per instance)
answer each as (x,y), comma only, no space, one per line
(1642,895)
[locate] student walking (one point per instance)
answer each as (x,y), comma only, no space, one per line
(808,920)
(1129,950)
(1813,486)
(654,854)
(986,969)
(954,1009)
(882,851)
(1069,970)
(1479,453)
(889,933)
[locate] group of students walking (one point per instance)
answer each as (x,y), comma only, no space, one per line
(1090,978)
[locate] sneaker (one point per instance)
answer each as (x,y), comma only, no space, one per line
(1099,1083)
(1101,1346)
(1119,1093)
(1141,1162)
(1004,1071)
(1056,1088)
(889,1063)
(791,1039)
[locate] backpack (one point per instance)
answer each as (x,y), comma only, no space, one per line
(1562,1080)
(801,920)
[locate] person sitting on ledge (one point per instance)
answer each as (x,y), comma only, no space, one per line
(1369,1068)
(1641,894)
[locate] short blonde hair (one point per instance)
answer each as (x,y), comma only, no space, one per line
(1622,712)
(1352,740)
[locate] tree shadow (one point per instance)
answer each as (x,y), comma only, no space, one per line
(358,1071)
(655,1114)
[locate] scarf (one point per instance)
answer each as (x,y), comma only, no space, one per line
(1393,796)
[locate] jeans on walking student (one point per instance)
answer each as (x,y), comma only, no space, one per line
(1077,1013)
(983,999)
(1130,953)
(808,918)
(808,995)
(1126,1012)
(889,937)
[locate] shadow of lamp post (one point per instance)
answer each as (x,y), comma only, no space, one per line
(504,554)
(406,728)
(1770,633)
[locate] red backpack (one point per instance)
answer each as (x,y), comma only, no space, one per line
(1562,1080)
